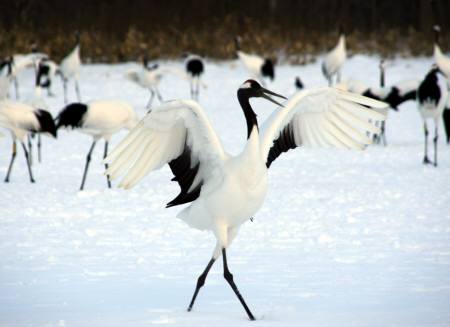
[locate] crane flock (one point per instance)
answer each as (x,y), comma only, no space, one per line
(220,191)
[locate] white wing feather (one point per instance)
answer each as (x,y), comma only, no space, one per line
(325,117)
(160,137)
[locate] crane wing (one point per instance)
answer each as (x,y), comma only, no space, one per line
(325,117)
(177,133)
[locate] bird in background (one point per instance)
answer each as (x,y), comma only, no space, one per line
(21,119)
(259,68)
(148,77)
(100,119)
(45,74)
(69,68)
(431,101)
(334,60)
(223,191)
(16,64)
(195,67)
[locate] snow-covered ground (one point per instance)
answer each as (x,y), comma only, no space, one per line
(343,239)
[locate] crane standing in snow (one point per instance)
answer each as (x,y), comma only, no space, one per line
(334,60)
(224,191)
(258,67)
(431,100)
(101,119)
(21,119)
(69,68)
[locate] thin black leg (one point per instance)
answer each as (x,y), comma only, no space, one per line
(425,157)
(39,147)
(30,148)
(229,278)
(200,282)
(106,165)
(28,162)
(13,157)
(16,86)
(435,141)
(192,88)
(383,134)
(77,89)
(88,160)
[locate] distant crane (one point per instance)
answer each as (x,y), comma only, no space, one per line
(101,119)
(148,77)
(195,68)
(258,67)
(21,119)
(69,68)
(334,60)
(431,100)
(224,191)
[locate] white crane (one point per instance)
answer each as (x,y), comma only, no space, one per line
(225,191)
(258,67)
(21,119)
(18,63)
(334,60)
(69,68)
(45,74)
(195,68)
(441,60)
(101,119)
(148,77)
(431,101)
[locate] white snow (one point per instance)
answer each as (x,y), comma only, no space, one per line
(343,239)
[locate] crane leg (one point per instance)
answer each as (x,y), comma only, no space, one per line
(30,148)
(229,278)
(192,89)
(77,89)
(435,141)
(28,162)
(13,156)
(106,165)
(16,87)
(88,160)
(383,134)
(39,147)
(201,281)
(425,157)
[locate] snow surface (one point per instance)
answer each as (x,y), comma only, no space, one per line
(343,239)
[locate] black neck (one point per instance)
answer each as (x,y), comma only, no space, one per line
(249,114)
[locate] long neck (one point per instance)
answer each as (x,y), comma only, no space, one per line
(249,114)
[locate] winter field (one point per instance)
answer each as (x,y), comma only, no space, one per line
(343,239)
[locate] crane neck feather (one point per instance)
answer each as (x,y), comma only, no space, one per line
(250,116)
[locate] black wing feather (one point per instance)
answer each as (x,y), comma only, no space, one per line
(284,143)
(184,174)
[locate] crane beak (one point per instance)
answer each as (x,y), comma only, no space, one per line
(265,95)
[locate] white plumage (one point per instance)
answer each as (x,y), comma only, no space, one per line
(69,68)
(21,119)
(225,190)
(101,119)
(334,60)
(441,60)
(431,101)
(258,67)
